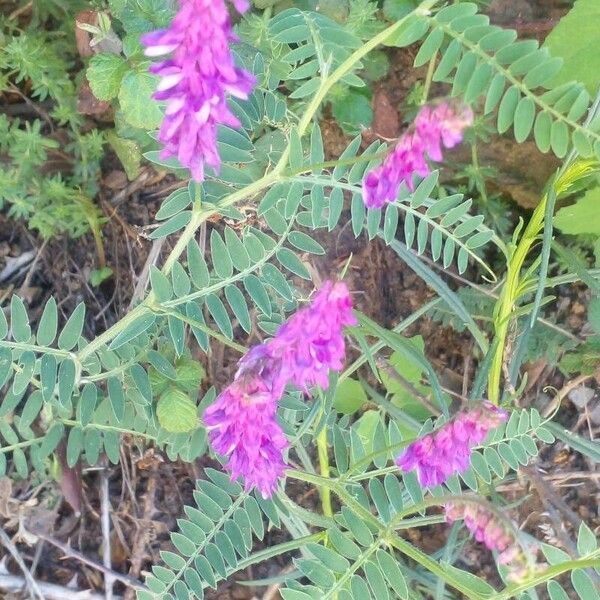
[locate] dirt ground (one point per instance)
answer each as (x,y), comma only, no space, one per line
(147,492)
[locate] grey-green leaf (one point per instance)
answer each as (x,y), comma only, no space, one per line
(48,325)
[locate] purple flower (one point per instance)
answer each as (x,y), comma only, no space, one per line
(438,455)
(242,425)
(242,422)
(490,531)
(195,81)
(434,128)
(312,343)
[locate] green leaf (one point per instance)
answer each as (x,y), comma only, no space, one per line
(473,583)
(4,325)
(174,224)
(23,377)
(349,396)
(176,412)
(135,97)
(48,370)
(5,364)
(392,573)
(410,32)
(97,276)
(134,329)
(181,280)
(305,243)
(51,439)
(31,410)
(586,540)
(128,152)
(256,290)
(190,374)
(19,321)
(66,381)
(237,251)
(583,217)
(177,333)
(291,262)
(161,286)
(71,332)
(218,312)
(352,110)
(238,305)
(116,397)
(74,446)
(365,427)
(105,73)
(87,403)
(524,117)
(174,203)
(275,278)
(575,40)
(197,266)
(220,256)
(296,153)
(48,323)
(394,10)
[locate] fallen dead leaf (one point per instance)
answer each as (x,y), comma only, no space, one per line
(87,103)
(82,37)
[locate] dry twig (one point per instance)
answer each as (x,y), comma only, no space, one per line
(75,555)
(143,531)
(563,393)
(51,591)
(109,580)
(29,581)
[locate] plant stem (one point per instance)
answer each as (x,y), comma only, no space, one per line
(324,468)
(429,79)
(509,294)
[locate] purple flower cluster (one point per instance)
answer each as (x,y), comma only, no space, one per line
(490,531)
(438,455)
(311,343)
(434,128)
(242,422)
(195,81)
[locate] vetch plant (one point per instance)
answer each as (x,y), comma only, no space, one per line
(244,123)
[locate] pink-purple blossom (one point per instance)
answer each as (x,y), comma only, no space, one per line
(242,425)
(488,529)
(434,128)
(446,451)
(195,81)
(312,343)
(242,422)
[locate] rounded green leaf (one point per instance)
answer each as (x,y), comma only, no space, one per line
(176,412)
(135,99)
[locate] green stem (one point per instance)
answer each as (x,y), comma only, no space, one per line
(386,534)
(507,299)
(515,589)
(429,79)
(38,349)
(278,550)
(323,453)
(514,287)
(103,427)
